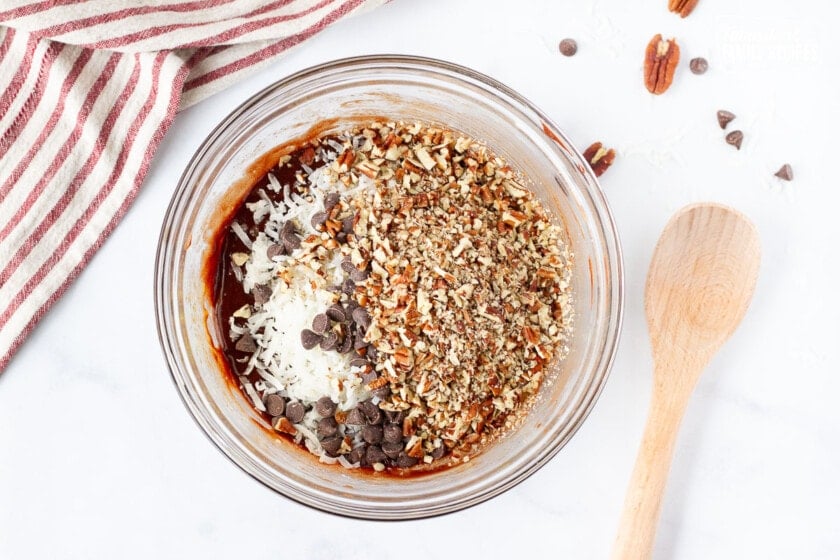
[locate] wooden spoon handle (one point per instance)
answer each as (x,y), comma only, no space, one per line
(642,505)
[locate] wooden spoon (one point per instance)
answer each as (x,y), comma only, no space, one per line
(699,285)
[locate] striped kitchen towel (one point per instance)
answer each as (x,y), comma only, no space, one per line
(87,90)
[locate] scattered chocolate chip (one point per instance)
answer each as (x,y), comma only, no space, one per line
(327,427)
(393,449)
(698,65)
(309,339)
(568,47)
(318,220)
(262,294)
(357,454)
(361,317)
(275,405)
(404,461)
(346,344)
(320,323)
(355,418)
(348,266)
(392,433)
(375,454)
(336,313)
(332,444)
(295,411)
(724,118)
(372,434)
(348,286)
(329,341)
(438,451)
(785,173)
(371,412)
(246,344)
(372,353)
(275,250)
(358,361)
(350,306)
(325,406)
(382,393)
(330,201)
(395,416)
(735,138)
(341,237)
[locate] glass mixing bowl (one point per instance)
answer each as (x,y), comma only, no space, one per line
(399,88)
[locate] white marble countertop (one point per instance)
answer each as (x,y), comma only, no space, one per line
(99,458)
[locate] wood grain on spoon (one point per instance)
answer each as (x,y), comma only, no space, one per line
(700,283)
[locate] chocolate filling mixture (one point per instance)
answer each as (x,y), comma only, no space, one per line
(391,297)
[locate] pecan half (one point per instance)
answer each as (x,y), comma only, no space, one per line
(682,7)
(661,59)
(599,158)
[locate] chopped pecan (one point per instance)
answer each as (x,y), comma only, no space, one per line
(682,7)
(599,158)
(661,59)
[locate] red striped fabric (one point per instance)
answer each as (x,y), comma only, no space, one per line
(87,92)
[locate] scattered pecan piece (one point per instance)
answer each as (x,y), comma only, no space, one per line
(661,59)
(599,158)
(682,7)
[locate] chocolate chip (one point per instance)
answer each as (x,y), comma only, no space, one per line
(359,340)
(347,266)
(348,287)
(372,434)
(295,412)
(332,444)
(275,250)
(358,361)
(246,344)
(438,451)
(318,219)
(404,461)
(392,433)
(372,353)
(325,407)
(357,454)
(329,341)
(262,294)
(331,200)
(724,118)
(395,416)
(347,224)
(275,405)
(346,344)
(350,306)
(698,65)
(393,449)
(568,47)
(735,138)
(327,427)
(361,317)
(785,173)
(371,412)
(355,418)
(375,454)
(341,237)
(309,339)
(291,241)
(358,275)
(337,313)
(320,323)
(382,393)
